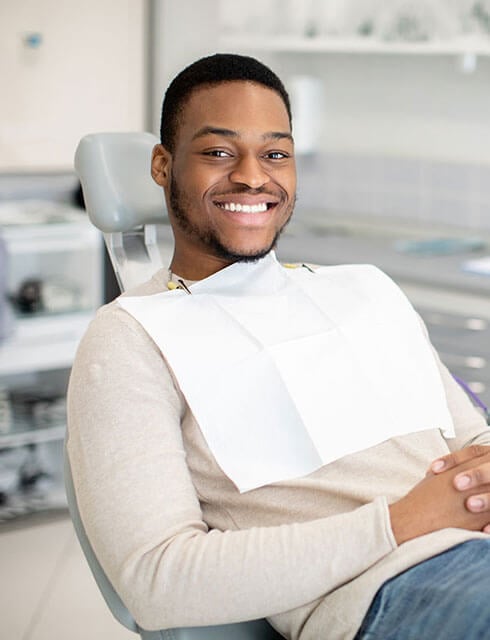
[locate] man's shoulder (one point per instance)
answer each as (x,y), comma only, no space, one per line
(112,319)
(156,284)
(365,280)
(360,270)
(315,266)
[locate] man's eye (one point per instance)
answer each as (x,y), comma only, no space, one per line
(217,153)
(277,155)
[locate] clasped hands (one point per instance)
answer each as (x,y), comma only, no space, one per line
(454,493)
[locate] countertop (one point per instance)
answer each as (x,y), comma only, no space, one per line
(454,304)
(321,238)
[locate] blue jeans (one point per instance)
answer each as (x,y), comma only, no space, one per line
(444,598)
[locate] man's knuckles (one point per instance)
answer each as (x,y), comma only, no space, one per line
(469,476)
(456,458)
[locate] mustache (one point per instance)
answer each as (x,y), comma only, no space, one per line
(251,192)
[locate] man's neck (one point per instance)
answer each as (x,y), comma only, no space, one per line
(196,266)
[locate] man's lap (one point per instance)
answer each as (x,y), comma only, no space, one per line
(447,596)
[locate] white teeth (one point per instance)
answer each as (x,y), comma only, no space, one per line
(244,208)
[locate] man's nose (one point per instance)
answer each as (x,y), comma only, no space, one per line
(249,171)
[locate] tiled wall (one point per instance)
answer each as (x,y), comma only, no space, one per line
(418,190)
(424,191)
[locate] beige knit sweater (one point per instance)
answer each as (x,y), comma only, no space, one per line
(183,547)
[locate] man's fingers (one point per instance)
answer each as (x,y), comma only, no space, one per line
(478,503)
(474,477)
(458,457)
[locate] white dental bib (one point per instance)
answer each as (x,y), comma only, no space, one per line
(286,370)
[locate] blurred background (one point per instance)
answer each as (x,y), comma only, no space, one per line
(390,115)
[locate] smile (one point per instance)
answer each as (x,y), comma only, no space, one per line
(243,208)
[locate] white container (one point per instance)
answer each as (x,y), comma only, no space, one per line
(306,95)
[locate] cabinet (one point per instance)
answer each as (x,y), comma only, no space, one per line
(54,283)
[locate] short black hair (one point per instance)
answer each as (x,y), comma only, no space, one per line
(212,70)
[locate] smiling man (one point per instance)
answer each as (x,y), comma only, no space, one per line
(229,174)
(253,441)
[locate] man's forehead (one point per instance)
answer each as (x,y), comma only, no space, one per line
(210,130)
(234,105)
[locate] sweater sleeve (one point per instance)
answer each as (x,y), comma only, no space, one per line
(469,424)
(143,517)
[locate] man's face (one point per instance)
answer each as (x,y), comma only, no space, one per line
(230,183)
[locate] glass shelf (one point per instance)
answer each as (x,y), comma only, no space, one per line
(355,45)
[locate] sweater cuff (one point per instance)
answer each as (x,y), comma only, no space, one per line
(382,505)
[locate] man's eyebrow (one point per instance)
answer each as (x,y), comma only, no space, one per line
(217,131)
(230,133)
(277,135)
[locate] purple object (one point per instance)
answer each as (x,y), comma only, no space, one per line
(474,397)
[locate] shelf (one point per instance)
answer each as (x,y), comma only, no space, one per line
(23,504)
(284,44)
(55,246)
(63,237)
(21,435)
(42,343)
(32,420)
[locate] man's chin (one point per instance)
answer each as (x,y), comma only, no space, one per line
(243,255)
(250,257)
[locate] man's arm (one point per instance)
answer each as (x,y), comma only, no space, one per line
(450,501)
(469,460)
(143,517)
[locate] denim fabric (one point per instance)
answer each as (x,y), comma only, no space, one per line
(444,598)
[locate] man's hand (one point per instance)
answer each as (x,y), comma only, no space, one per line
(473,466)
(458,457)
(438,503)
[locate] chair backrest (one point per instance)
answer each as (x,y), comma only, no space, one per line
(254,630)
(125,204)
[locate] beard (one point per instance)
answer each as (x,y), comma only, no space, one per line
(179,205)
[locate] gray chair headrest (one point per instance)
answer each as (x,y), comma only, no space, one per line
(119,192)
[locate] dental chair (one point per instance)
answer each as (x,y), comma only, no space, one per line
(129,208)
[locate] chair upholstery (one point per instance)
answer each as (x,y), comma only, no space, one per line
(123,202)
(254,630)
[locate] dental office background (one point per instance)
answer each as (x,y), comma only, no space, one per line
(391,104)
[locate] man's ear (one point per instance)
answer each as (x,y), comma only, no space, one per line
(161,162)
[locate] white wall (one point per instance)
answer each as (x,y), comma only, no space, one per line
(394,105)
(88,74)
(401,105)
(183,31)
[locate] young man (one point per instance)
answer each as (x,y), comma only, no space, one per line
(253,441)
